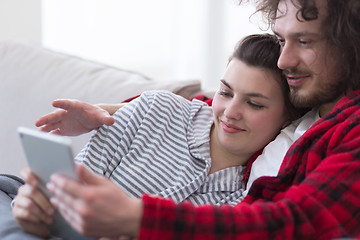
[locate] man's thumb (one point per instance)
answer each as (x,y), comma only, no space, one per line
(86,176)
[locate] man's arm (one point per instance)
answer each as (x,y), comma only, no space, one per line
(301,212)
(95,206)
(324,205)
(315,196)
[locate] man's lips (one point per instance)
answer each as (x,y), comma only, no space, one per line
(230,128)
(296,80)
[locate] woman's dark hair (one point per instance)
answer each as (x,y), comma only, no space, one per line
(258,50)
(341,29)
(263,50)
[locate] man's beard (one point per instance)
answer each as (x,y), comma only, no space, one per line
(325,94)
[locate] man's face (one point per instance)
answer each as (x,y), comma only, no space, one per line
(308,61)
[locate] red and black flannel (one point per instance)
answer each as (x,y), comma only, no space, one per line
(315,196)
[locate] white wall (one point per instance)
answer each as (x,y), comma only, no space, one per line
(20,20)
(164,39)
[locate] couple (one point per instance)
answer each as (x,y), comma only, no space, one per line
(315,195)
(166,145)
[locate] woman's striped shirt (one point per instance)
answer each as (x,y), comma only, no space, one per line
(160,145)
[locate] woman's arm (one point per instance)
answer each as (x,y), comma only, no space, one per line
(111,108)
(75,117)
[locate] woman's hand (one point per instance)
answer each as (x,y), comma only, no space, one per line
(32,209)
(96,207)
(74,118)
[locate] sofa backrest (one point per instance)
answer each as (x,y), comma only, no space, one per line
(31,77)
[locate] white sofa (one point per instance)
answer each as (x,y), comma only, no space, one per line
(31,77)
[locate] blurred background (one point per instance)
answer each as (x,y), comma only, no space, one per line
(163,39)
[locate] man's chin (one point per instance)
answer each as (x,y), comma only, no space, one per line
(311,101)
(302,100)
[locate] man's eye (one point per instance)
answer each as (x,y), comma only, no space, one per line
(255,105)
(304,42)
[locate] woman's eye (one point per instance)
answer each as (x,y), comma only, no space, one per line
(225,93)
(255,105)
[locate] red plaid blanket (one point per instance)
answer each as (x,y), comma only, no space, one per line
(315,196)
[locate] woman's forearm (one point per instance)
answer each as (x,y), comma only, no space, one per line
(111,108)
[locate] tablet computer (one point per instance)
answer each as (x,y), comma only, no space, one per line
(47,154)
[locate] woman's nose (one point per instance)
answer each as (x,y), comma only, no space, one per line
(233,111)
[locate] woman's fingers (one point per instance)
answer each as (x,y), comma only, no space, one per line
(32,205)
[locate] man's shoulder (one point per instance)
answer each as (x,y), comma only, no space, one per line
(350,101)
(347,110)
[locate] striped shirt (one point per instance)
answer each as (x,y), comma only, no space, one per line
(160,144)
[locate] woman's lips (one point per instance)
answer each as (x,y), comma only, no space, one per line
(230,128)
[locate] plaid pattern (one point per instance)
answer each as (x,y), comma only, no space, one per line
(315,196)
(203,98)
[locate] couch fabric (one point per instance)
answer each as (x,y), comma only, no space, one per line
(31,77)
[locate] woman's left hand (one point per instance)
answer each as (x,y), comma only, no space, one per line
(96,207)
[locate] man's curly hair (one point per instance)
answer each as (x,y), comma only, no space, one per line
(341,28)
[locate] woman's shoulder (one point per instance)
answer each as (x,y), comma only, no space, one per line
(162,94)
(164,97)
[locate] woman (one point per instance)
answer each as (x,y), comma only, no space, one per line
(167,145)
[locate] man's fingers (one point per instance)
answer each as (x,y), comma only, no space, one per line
(87,176)
(60,187)
(68,205)
(69,214)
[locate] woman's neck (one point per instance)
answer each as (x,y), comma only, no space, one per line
(221,158)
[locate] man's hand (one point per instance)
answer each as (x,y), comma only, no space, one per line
(96,207)
(32,209)
(74,118)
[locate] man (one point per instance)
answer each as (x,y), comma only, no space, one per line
(317,192)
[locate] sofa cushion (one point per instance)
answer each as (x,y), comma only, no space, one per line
(31,77)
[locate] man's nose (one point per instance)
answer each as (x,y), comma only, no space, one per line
(288,58)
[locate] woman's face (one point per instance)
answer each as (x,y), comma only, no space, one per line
(249,109)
